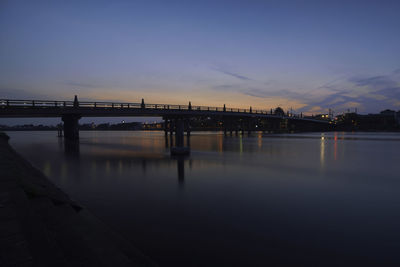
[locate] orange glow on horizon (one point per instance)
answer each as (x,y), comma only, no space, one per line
(204,98)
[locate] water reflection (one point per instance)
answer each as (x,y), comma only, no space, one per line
(117,161)
(71,148)
(247,197)
(335,146)
(169,141)
(259,139)
(180,160)
(220,142)
(322,150)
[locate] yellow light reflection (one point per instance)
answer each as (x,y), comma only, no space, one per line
(322,151)
(220,140)
(259,140)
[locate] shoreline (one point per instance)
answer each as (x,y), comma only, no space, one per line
(41,226)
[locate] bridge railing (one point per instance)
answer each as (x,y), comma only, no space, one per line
(49,104)
(35,103)
(116,105)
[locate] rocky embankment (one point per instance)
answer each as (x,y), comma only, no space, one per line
(41,226)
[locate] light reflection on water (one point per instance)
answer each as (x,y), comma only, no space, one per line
(296,199)
(322,153)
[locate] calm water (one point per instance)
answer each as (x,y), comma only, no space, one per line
(307,199)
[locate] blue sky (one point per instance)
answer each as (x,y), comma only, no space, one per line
(305,55)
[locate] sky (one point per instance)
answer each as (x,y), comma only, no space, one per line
(310,56)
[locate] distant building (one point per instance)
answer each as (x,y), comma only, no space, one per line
(387,120)
(322,117)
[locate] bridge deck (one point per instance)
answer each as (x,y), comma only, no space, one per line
(45,108)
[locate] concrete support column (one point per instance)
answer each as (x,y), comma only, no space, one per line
(179,148)
(187,127)
(179,132)
(71,126)
(166,127)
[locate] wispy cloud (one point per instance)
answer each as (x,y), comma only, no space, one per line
(257,90)
(227,87)
(374,81)
(368,93)
(267,93)
(236,75)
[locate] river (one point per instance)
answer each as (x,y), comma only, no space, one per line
(315,199)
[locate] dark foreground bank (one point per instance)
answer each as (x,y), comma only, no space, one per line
(41,226)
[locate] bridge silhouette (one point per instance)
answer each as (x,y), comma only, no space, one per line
(176,118)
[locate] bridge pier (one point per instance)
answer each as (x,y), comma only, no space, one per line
(179,148)
(179,132)
(166,127)
(71,126)
(187,127)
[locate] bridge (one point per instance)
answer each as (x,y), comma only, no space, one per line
(177,118)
